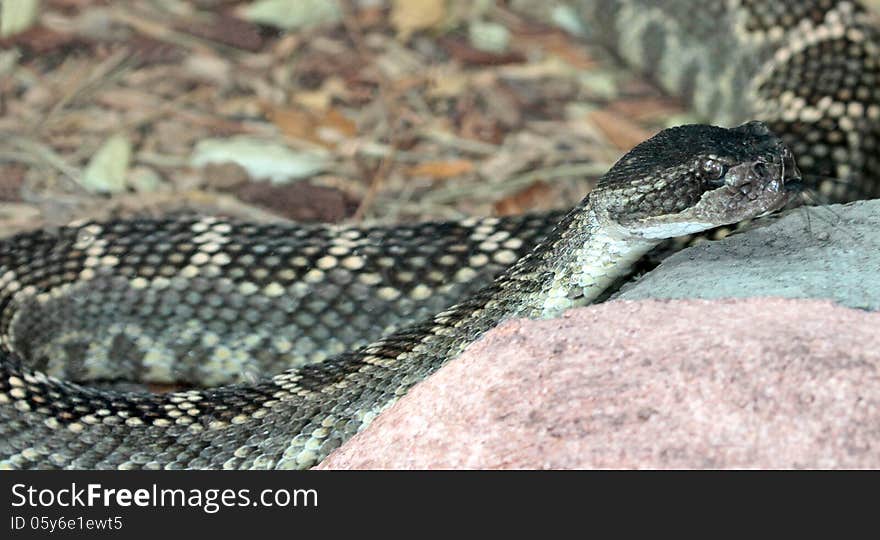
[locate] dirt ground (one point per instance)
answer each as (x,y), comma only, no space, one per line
(389,111)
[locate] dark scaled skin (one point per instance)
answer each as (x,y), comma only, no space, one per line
(705,157)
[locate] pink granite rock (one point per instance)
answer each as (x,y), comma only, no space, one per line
(764,383)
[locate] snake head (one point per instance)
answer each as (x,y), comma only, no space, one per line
(692,178)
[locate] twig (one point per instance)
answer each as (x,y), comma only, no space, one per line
(497,190)
(109,69)
(36,152)
(354,31)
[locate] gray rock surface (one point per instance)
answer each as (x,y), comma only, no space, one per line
(828,252)
(749,383)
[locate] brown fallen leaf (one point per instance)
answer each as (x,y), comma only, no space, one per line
(294,123)
(224,176)
(149,51)
(467,54)
(622,132)
(647,109)
(41,40)
(538,196)
(326,128)
(408,16)
(335,120)
(300,201)
(226,29)
(440,170)
(560,45)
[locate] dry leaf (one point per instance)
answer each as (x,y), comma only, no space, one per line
(550,66)
(446,83)
(489,37)
(293,122)
(227,30)
(18,16)
(622,132)
(260,158)
(334,120)
(468,54)
(537,196)
(410,16)
(647,109)
(42,40)
(108,167)
(562,46)
(288,15)
(439,170)
(301,202)
(326,128)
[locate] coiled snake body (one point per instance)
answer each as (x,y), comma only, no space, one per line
(222,304)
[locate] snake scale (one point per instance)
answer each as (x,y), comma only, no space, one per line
(329,310)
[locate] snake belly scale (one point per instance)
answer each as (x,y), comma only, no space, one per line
(303,334)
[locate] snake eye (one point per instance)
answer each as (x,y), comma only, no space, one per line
(711,170)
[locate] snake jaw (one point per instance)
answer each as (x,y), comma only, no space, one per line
(760,191)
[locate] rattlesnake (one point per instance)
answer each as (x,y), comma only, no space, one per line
(225,305)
